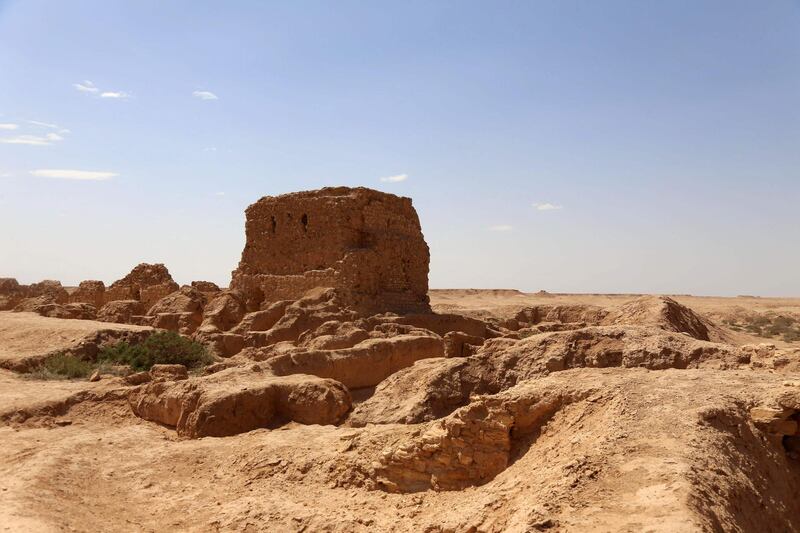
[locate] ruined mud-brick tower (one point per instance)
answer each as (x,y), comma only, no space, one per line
(365,244)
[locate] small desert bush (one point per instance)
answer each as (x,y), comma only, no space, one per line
(163,347)
(782,325)
(760,320)
(753,328)
(770,326)
(792,336)
(63,366)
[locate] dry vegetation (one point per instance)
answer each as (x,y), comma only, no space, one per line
(769,326)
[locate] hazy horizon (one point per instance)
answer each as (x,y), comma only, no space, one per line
(573,147)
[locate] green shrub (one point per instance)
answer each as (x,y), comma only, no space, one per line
(62,366)
(781,325)
(753,329)
(760,320)
(163,347)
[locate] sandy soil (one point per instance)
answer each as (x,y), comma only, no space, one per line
(622,462)
(498,300)
(504,303)
(641,450)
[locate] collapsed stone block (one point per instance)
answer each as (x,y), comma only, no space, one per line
(262,320)
(183,323)
(225,310)
(222,344)
(179,311)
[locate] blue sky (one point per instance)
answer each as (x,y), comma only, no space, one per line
(576,146)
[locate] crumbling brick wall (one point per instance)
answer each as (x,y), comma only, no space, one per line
(366,244)
(147,283)
(89,292)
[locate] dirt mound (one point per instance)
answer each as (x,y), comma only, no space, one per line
(586,436)
(474,444)
(663,312)
(26,338)
(295,318)
(238,400)
(53,401)
(262,320)
(121,311)
(31,305)
(181,310)
(224,310)
(626,450)
(434,388)
(364,365)
(333,335)
(78,311)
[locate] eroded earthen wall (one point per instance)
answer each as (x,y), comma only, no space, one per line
(366,244)
(147,283)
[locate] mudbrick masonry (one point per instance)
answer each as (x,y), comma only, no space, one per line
(365,244)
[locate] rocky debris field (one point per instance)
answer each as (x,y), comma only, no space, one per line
(365,406)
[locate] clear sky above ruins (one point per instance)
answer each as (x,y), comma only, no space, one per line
(615,146)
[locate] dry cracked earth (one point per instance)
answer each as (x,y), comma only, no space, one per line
(549,413)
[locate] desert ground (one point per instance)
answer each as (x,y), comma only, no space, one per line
(328,389)
(635,449)
(721,310)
